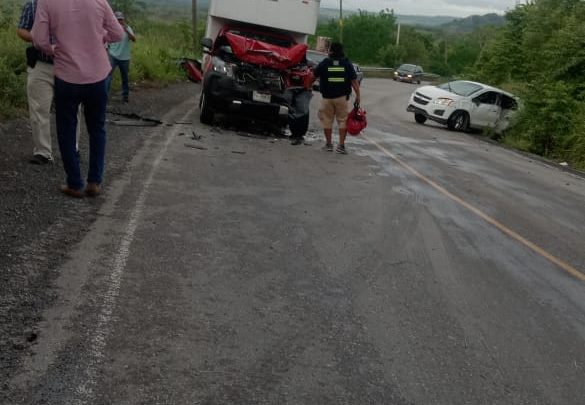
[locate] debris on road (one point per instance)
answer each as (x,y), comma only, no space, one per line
(132,123)
(196,136)
(238,152)
(187,145)
(134,120)
(193,69)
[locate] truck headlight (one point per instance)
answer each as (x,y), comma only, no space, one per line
(220,66)
(410,76)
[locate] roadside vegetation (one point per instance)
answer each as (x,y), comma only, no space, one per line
(164,36)
(536,52)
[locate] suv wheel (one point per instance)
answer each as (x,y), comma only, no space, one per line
(420,118)
(205,112)
(459,121)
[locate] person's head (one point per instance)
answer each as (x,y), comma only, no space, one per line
(119,16)
(336,50)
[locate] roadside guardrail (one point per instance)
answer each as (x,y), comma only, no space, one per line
(388,72)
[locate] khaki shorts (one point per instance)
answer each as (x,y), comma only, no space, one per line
(333,108)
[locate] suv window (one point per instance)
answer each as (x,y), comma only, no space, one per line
(461,88)
(508,103)
(490,97)
(408,68)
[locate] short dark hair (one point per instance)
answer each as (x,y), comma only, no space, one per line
(336,50)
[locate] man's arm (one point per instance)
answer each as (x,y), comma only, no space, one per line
(356,87)
(130,33)
(40,31)
(354,83)
(25,23)
(318,71)
(114,31)
(24,34)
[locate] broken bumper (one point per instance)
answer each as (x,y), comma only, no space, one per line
(417,110)
(225,95)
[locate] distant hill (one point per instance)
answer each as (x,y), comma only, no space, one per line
(422,21)
(450,24)
(469,24)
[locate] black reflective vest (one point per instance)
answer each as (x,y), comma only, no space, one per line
(335,77)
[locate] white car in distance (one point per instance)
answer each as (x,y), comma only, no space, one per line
(462,105)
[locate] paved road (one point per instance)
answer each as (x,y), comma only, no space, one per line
(425,267)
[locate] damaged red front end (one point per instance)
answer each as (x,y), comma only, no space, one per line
(263,54)
(259,74)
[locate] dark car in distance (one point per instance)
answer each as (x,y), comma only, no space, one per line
(315,57)
(408,73)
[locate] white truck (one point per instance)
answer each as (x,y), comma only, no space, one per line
(255,61)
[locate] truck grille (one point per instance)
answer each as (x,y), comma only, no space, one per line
(257,78)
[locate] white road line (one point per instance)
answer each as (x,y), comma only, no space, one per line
(85,390)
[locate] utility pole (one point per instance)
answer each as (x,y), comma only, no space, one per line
(341,21)
(194,22)
(398,35)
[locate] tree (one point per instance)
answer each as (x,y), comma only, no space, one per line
(194,22)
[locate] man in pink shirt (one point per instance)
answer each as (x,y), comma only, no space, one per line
(79,29)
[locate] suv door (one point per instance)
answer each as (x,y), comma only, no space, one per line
(485,110)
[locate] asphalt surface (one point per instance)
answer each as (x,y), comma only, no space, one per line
(225,266)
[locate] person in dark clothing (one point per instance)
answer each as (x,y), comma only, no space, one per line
(337,78)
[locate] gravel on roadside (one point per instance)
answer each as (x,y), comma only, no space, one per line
(38,224)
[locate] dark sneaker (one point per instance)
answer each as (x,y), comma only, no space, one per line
(296,141)
(341,150)
(92,190)
(40,160)
(125,100)
(71,192)
(328,147)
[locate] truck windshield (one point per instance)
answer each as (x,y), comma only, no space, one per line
(264,37)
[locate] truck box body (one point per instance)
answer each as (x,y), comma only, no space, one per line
(295,17)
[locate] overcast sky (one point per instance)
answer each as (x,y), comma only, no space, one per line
(455,8)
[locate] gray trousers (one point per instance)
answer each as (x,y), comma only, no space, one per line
(40,89)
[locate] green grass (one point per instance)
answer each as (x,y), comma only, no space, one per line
(12,64)
(160,44)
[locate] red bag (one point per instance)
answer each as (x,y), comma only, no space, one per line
(356,121)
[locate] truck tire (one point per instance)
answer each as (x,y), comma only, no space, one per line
(420,118)
(205,112)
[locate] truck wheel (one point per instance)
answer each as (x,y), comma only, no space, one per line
(420,118)
(299,126)
(205,112)
(459,121)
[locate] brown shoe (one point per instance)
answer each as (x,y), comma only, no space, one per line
(71,192)
(92,190)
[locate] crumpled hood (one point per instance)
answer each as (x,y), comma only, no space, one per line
(263,54)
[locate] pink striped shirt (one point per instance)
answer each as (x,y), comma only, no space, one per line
(80,28)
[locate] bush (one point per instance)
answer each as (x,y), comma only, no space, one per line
(160,44)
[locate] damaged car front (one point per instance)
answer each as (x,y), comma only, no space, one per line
(261,75)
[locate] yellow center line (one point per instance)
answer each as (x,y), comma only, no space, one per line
(503,228)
